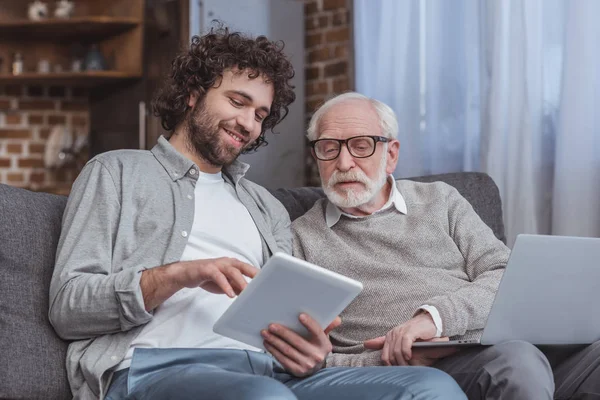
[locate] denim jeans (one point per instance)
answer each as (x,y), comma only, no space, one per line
(237,374)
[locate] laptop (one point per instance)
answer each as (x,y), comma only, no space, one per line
(547,296)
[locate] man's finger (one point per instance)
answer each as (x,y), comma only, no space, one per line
(406,347)
(398,357)
(246,269)
(285,346)
(235,277)
(334,324)
(291,338)
(375,344)
(312,326)
(385,353)
(288,364)
(221,281)
(421,360)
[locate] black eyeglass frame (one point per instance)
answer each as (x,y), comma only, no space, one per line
(376,139)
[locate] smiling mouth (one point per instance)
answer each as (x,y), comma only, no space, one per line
(235,136)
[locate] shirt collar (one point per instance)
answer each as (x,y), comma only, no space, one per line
(333,213)
(177,165)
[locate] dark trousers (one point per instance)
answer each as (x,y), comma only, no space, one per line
(518,370)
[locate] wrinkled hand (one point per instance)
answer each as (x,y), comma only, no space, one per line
(216,275)
(299,356)
(396,345)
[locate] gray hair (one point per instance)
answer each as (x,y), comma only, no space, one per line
(387,116)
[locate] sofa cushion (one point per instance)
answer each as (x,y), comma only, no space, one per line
(32,357)
(297,201)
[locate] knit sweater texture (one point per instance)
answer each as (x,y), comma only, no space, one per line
(440,254)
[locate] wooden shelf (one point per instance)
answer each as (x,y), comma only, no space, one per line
(84,79)
(86,28)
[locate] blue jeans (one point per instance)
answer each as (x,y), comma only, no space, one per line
(237,374)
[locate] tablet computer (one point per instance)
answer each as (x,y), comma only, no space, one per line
(285,287)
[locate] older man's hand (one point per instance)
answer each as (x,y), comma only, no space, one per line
(299,356)
(396,346)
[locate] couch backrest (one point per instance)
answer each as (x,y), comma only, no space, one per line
(31,355)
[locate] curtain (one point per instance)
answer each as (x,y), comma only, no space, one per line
(496,87)
(576,205)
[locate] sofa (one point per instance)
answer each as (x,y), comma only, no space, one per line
(31,354)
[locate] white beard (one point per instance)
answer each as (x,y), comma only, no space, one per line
(350,198)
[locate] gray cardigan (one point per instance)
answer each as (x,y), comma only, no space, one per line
(131,210)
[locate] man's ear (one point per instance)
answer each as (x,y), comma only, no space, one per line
(312,152)
(193,99)
(392,156)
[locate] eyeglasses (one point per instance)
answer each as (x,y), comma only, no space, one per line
(358,146)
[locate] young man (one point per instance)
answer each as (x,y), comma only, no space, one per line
(156,244)
(429,265)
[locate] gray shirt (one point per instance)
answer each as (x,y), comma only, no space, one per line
(131,210)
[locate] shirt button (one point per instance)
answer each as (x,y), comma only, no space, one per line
(192,171)
(184,234)
(189,196)
(114,358)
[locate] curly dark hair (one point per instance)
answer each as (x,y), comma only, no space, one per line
(208,58)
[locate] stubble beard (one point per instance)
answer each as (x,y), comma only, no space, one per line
(204,138)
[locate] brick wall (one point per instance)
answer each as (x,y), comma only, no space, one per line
(27,116)
(329,63)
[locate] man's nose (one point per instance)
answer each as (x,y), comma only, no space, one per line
(345,161)
(246,120)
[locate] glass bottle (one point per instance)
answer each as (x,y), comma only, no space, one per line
(17,65)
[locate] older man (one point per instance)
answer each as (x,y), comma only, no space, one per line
(430,266)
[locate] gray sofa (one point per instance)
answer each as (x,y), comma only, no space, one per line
(31,355)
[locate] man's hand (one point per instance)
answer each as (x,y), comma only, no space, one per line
(217,275)
(396,346)
(299,356)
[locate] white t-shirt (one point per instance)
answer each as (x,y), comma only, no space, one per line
(222,227)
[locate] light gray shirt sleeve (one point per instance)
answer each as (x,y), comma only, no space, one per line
(282,231)
(89,295)
(485,258)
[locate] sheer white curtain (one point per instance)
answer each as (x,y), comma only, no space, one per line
(576,202)
(387,48)
(513,112)
(418,61)
(477,86)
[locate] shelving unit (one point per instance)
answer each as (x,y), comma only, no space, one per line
(139,38)
(76,28)
(83,79)
(116,26)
